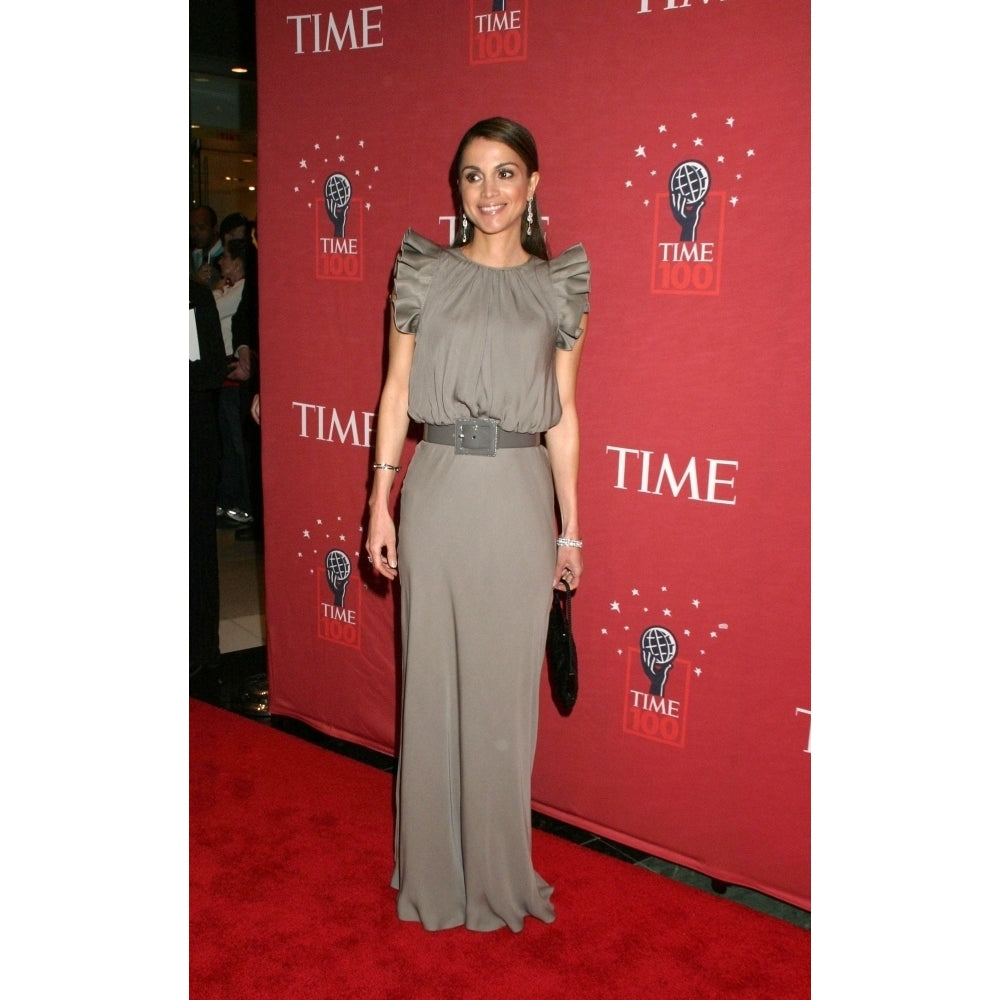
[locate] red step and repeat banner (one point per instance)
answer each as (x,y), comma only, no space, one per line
(674,141)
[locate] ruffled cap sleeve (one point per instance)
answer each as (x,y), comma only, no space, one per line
(570,276)
(414,270)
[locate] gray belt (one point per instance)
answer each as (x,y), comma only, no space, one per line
(478,436)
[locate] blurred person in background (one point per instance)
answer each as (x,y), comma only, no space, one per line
(207,370)
(234,506)
(205,245)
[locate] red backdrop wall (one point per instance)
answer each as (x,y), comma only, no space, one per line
(694,388)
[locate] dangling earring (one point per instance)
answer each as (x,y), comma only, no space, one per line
(531,214)
(465,228)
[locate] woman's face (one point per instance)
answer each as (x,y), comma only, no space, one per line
(231,267)
(495,186)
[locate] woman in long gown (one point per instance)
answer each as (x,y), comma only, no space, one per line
(484,352)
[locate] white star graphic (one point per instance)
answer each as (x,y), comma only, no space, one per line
(315,145)
(698,142)
(662,128)
(667,612)
(628,184)
(694,114)
(361,143)
(733,201)
(640,151)
(302,164)
(697,671)
(696,603)
(635,593)
(305,533)
(615,607)
(750,152)
(729,122)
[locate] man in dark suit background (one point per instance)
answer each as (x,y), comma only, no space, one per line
(207,370)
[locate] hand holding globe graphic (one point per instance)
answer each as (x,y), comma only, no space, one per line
(338,572)
(658,647)
(337,192)
(689,183)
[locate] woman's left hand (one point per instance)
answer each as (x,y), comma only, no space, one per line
(569,567)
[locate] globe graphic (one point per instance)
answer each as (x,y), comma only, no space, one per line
(690,180)
(338,566)
(337,191)
(658,645)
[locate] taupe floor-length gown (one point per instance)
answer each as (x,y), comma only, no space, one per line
(476,554)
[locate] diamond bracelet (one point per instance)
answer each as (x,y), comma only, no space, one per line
(569,543)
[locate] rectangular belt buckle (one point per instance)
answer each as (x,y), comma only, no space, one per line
(476,437)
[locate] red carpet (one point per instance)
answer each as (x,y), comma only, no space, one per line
(291,853)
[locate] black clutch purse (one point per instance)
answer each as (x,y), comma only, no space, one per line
(560,651)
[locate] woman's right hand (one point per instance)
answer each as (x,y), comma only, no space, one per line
(381,544)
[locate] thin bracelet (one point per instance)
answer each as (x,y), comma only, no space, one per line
(386,466)
(569,543)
